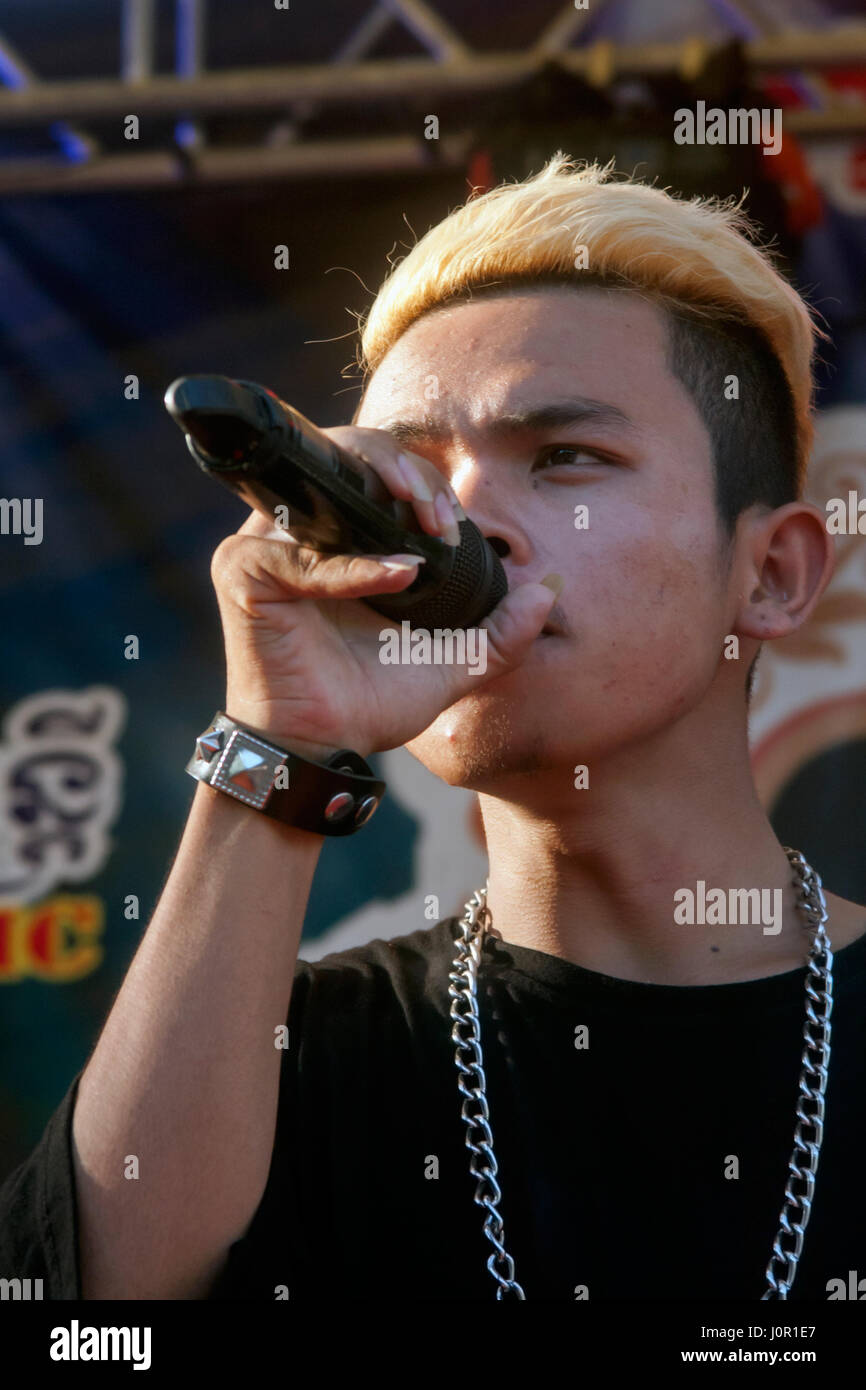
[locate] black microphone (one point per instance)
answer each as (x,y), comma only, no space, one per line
(243,435)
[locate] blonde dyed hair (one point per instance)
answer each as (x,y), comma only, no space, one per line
(702,256)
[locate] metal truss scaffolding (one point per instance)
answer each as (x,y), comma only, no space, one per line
(293,93)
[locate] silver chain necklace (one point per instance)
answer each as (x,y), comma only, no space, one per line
(471,1083)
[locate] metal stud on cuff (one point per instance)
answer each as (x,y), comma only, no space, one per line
(234,760)
(339,806)
(247,769)
(366,809)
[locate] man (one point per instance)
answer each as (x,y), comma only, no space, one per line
(615,385)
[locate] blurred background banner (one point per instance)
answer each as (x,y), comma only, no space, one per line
(209,187)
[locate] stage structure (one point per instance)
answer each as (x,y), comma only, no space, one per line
(296,98)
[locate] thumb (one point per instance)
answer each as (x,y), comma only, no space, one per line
(514,624)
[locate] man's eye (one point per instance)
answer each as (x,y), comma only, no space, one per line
(574,453)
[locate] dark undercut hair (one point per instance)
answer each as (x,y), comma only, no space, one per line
(753,443)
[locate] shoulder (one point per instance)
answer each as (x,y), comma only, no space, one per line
(846,921)
(407,968)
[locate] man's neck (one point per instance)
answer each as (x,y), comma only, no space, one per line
(605,877)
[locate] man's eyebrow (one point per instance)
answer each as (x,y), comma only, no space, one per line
(578,410)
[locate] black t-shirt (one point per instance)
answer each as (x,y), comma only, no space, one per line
(615,1159)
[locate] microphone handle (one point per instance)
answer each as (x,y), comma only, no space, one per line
(337,504)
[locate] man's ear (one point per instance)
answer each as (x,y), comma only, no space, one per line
(787,559)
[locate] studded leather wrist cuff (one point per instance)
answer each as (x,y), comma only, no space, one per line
(332,798)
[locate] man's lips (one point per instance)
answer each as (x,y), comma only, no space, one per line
(555,624)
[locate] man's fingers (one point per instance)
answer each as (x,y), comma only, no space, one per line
(252,569)
(502,641)
(514,624)
(258,524)
(408,476)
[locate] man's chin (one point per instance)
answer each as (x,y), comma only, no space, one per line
(476,753)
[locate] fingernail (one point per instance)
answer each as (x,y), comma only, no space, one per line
(455,502)
(553,582)
(402,562)
(445,514)
(413,478)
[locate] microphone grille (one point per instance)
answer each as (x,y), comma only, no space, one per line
(475,585)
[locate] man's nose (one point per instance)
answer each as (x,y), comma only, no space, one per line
(476,499)
(499,544)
